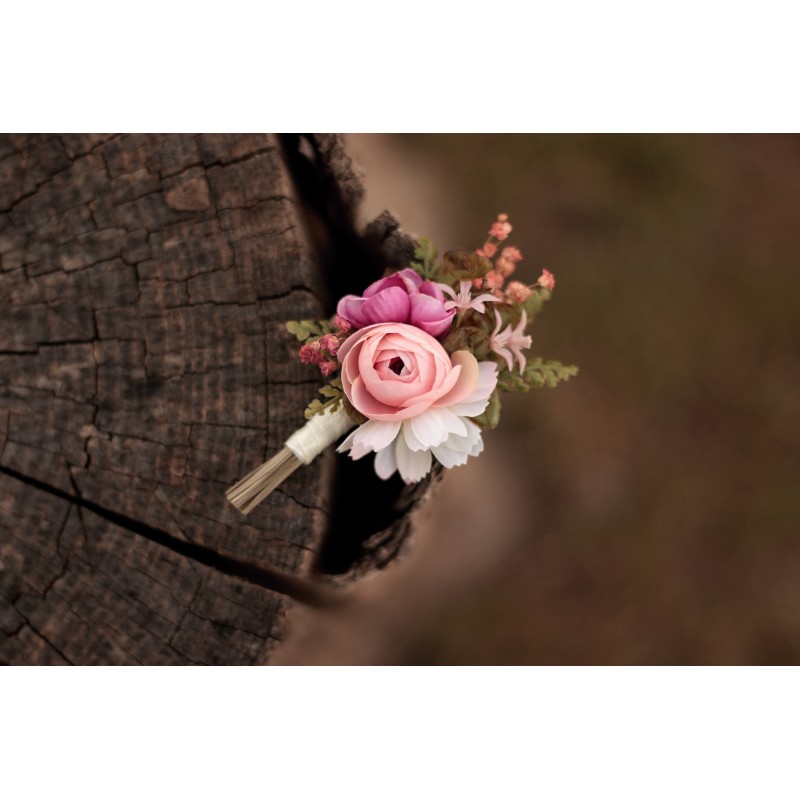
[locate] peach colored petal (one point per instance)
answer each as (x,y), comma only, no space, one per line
(487,380)
(467,380)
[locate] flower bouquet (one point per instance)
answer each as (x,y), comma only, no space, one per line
(416,365)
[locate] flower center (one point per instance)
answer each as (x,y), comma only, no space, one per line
(397,366)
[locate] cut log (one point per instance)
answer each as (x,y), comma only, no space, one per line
(145,367)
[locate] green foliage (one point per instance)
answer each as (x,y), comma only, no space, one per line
(309,330)
(467,337)
(353,413)
(334,396)
(491,416)
(510,314)
(486,322)
(534,304)
(537,374)
(463,265)
(455,265)
(425,259)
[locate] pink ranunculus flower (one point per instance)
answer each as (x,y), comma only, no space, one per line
(418,399)
(402,297)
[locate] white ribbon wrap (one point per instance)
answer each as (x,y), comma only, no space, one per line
(321,431)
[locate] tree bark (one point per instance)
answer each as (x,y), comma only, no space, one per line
(145,367)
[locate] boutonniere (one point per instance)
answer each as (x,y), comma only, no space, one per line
(416,365)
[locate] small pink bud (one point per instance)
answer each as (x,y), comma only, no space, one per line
(505,266)
(477,283)
(511,254)
(330,342)
(518,292)
(500,230)
(327,367)
(546,280)
(502,217)
(310,354)
(494,280)
(488,250)
(341,324)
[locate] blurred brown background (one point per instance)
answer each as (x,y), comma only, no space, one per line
(646,512)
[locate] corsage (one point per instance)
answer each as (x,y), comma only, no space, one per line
(415,366)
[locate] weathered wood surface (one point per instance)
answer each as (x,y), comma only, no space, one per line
(144,367)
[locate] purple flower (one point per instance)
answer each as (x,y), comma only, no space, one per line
(402,297)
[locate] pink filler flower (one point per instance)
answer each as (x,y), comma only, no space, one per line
(547,280)
(417,398)
(507,262)
(501,228)
(511,342)
(402,297)
(518,292)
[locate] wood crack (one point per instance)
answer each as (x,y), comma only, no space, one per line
(27,623)
(302,590)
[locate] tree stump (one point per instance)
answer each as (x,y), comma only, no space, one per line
(145,367)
